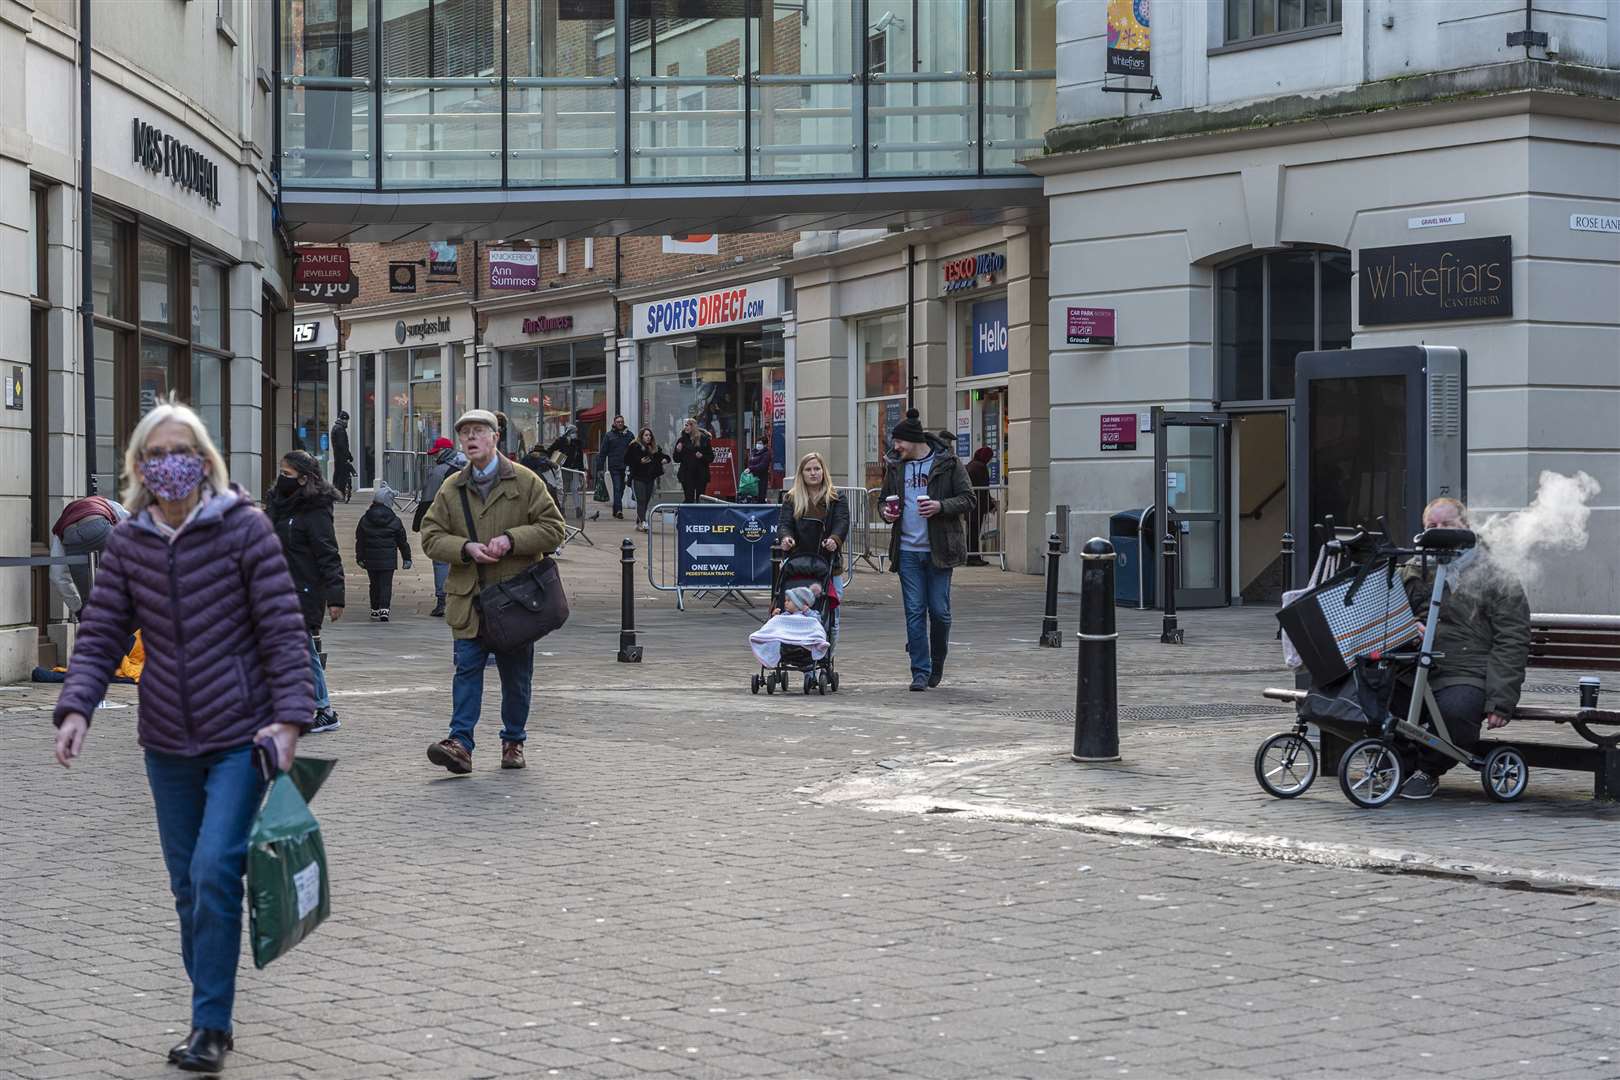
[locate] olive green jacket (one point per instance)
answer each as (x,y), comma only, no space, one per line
(519,505)
(1484,629)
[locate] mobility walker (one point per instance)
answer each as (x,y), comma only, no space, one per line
(1355,704)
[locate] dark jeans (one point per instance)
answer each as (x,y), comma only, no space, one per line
(205,808)
(382,588)
(925,593)
(616,483)
(467,690)
(692,494)
(644,498)
(1464,710)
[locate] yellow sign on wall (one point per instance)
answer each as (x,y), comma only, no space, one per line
(1128,37)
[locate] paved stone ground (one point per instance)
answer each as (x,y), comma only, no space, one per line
(669,890)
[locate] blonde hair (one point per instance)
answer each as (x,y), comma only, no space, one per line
(1456,506)
(136,497)
(803,502)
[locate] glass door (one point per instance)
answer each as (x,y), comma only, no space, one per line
(1189,458)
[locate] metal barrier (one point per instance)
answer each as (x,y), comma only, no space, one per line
(868,528)
(661,568)
(988,541)
(402,471)
(865,524)
(573,494)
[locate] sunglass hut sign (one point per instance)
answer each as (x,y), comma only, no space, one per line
(753,302)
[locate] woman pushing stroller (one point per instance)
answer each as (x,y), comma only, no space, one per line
(814,520)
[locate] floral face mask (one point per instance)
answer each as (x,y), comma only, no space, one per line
(172,477)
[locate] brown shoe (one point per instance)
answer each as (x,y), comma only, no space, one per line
(452,755)
(511,755)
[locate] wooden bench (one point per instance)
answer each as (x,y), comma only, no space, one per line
(1581,643)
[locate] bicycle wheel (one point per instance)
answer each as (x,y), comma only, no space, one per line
(1370,773)
(1285,765)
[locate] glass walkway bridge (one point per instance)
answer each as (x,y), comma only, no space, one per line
(494,119)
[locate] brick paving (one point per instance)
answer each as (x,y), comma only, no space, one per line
(668,890)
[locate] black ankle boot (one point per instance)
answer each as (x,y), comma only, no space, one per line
(206,1051)
(177,1051)
(938,671)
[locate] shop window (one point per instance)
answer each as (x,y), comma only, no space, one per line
(109,260)
(208,308)
(312,418)
(1247,20)
(158,285)
(1269,309)
(545,389)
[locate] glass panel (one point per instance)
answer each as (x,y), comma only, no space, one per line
(207,303)
(881,345)
(922,105)
(326,65)
(1241,297)
(311,420)
(1239,19)
(108,448)
(1020,79)
(427,415)
(565,121)
(1189,455)
(877,419)
(458,386)
(1290,14)
(441,105)
(590,357)
(686,92)
(157,375)
(1358,449)
(36,243)
(360,433)
(556,361)
(1335,301)
(396,417)
(108,238)
(590,408)
(521,403)
(1199,551)
(1293,315)
(1319,13)
(556,411)
(519,366)
(427,363)
(208,395)
(157,283)
(1265,16)
(804,109)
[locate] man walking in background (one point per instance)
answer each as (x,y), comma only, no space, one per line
(926,496)
(342,458)
(614,444)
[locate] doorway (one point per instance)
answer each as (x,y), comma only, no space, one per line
(1190,497)
(1260,494)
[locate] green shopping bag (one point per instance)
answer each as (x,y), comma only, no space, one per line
(289,894)
(601,493)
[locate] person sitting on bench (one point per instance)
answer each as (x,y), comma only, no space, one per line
(1481,645)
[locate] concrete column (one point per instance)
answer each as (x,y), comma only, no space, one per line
(244,287)
(1028,404)
(818,377)
(18,639)
(488,377)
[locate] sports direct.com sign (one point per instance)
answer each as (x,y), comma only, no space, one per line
(756,301)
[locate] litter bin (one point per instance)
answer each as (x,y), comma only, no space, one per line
(1131,533)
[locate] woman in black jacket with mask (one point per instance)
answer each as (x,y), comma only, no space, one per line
(300,505)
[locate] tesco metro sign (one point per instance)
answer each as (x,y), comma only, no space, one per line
(726,306)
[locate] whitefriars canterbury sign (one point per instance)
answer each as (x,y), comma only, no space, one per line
(726,306)
(168,156)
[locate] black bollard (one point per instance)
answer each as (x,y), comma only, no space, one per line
(1288,561)
(1170,634)
(1051,636)
(629,651)
(1096,705)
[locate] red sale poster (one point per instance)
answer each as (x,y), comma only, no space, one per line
(723,470)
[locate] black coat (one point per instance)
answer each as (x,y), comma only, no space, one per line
(692,459)
(615,445)
(379,534)
(304,525)
(835,523)
(341,457)
(645,465)
(573,452)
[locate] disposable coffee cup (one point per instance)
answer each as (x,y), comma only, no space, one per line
(1590,686)
(892,503)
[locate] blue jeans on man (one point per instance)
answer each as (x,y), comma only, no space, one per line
(925,592)
(441,575)
(467,690)
(205,808)
(323,698)
(616,481)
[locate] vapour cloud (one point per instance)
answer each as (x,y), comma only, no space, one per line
(1521,541)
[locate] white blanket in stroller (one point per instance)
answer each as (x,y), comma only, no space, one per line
(801,628)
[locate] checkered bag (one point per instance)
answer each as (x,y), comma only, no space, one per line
(1347,616)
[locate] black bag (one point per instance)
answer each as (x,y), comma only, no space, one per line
(519,611)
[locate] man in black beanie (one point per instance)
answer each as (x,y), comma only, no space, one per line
(926,495)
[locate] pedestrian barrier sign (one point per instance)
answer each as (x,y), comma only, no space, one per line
(723,546)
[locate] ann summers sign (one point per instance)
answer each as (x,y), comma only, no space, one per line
(1419,283)
(168,156)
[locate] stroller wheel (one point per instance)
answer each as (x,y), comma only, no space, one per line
(809,681)
(1505,774)
(833,685)
(770,684)
(1370,773)
(754,683)
(1285,765)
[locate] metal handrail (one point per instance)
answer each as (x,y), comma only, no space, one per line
(685,80)
(452,82)
(804,80)
(549,82)
(326,82)
(884,77)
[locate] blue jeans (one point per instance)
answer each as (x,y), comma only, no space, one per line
(925,591)
(205,808)
(441,574)
(323,699)
(467,690)
(616,482)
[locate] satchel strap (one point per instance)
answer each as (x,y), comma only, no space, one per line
(472,530)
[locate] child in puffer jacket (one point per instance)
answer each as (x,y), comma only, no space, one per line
(376,539)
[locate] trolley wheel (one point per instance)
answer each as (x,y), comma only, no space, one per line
(1285,765)
(834,682)
(1370,773)
(753,683)
(809,681)
(770,683)
(1505,774)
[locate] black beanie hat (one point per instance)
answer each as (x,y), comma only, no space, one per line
(910,429)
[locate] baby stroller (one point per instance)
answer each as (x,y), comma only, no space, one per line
(804,567)
(1353,682)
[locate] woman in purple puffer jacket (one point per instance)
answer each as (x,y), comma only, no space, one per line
(197,567)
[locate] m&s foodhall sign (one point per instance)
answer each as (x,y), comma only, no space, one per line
(1417,283)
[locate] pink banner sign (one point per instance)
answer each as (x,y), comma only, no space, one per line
(1091,326)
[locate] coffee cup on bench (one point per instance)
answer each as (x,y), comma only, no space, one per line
(1590,685)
